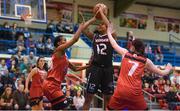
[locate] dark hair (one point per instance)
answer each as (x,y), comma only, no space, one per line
(38,61)
(139,46)
(57,39)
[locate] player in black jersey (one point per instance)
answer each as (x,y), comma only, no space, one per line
(100,73)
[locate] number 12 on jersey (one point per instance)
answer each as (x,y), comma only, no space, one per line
(101,49)
(133,68)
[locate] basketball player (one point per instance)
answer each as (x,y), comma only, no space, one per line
(100,73)
(128,94)
(52,84)
(37,75)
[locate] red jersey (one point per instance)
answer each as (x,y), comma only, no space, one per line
(58,69)
(132,69)
(37,82)
(128,93)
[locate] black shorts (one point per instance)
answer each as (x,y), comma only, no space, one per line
(100,78)
(35,101)
(60,105)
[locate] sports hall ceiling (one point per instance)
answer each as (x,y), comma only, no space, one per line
(122,5)
(174,4)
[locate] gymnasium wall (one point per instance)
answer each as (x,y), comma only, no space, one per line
(149,33)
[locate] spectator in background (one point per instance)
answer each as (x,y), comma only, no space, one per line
(60,27)
(130,38)
(70,100)
(6,32)
(24,65)
(49,46)
(31,59)
(7,99)
(30,45)
(19,57)
(27,34)
(3,68)
(21,101)
(20,45)
(148,51)
(171,98)
(14,30)
(12,69)
(50,29)
(78,100)
(40,46)
(68,27)
(158,54)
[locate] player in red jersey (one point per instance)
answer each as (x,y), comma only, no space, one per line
(60,64)
(128,93)
(37,75)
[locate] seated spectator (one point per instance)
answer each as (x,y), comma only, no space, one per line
(49,46)
(20,45)
(154,87)
(70,100)
(78,100)
(27,34)
(148,51)
(3,68)
(7,99)
(30,45)
(6,33)
(19,57)
(158,54)
(171,98)
(18,82)
(60,27)
(7,81)
(50,29)
(9,61)
(12,69)
(24,66)
(14,30)
(130,38)
(40,46)
(31,59)
(21,101)
(68,27)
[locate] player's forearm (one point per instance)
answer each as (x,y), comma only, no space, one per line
(89,22)
(112,41)
(81,68)
(164,72)
(104,18)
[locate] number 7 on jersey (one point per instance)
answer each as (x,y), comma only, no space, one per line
(133,68)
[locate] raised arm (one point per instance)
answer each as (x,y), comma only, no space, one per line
(114,44)
(77,68)
(86,31)
(104,18)
(30,75)
(150,66)
(72,41)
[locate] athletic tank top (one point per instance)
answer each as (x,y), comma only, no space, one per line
(132,69)
(102,51)
(38,78)
(58,69)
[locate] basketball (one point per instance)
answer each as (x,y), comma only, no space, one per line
(96,8)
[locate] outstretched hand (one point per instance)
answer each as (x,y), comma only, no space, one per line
(169,66)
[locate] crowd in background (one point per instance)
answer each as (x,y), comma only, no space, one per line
(13,71)
(165,89)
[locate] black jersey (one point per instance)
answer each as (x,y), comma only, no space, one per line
(102,51)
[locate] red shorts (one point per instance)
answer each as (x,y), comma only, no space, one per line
(36,91)
(123,100)
(53,92)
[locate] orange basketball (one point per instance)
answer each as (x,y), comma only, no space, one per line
(96,8)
